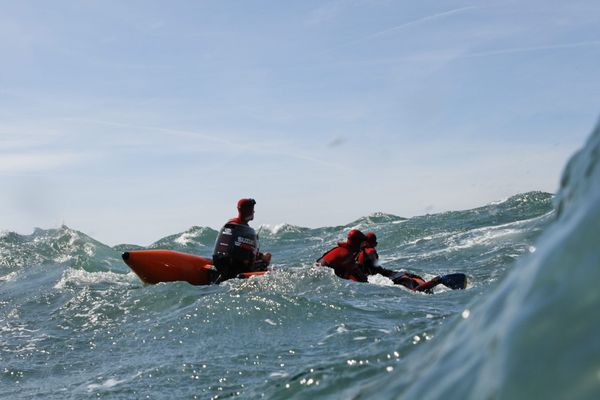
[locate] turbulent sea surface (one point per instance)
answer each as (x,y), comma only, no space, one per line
(76,323)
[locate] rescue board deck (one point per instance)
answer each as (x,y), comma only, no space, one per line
(155,266)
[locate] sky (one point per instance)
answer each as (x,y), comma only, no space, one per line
(133,120)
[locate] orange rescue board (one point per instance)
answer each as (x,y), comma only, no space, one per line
(154,266)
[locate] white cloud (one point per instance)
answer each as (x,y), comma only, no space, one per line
(32,162)
(533,48)
(327,12)
(421,20)
(408,24)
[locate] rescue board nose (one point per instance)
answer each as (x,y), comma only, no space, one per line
(125,256)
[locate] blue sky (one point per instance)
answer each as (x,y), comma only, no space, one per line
(131,120)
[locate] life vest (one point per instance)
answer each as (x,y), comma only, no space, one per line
(333,255)
(343,261)
(236,242)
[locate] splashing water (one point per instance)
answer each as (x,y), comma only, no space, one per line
(75,322)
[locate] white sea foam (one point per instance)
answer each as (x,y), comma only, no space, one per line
(498,202)
(480,236)
(80,277)
(380,280)
(9,277)
(107,384)
(187,238)
(279,228)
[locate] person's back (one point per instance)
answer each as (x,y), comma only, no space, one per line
(342,259)
(236,247)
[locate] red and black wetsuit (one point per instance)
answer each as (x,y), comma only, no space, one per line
(258,263)
(343,261)
(236,250)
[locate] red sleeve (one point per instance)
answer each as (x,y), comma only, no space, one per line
(331,256)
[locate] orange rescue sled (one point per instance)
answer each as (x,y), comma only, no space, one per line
(154,266)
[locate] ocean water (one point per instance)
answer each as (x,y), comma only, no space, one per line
(76,323)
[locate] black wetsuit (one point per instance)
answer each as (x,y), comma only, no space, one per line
(236,250)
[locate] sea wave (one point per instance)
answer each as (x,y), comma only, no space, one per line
(69,303)
(536,335)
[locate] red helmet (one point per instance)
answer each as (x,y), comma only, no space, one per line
(246,204)
(356,236)
(372,239)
